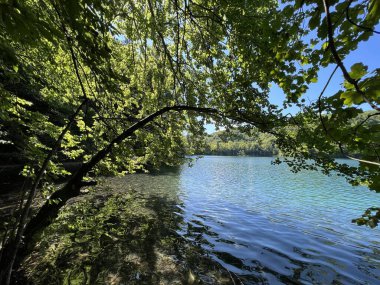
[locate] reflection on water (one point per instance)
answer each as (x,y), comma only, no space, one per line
(267,224)
(262,223)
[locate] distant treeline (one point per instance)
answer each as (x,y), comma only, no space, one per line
(235,143)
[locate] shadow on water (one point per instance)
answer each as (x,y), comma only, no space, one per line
(114,235)
(282,228)
(200,234)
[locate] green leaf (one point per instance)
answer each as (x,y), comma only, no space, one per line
(358,70)
(373,15)
(299,3)
(373,92)
(314,21)
(372,87)
(351,97)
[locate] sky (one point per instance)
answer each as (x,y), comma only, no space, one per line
(367,52)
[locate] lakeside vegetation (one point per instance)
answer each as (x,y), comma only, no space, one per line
(239,144)
(255,143)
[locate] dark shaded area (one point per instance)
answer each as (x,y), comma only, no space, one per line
(120,238)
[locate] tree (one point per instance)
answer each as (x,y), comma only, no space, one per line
(114,85)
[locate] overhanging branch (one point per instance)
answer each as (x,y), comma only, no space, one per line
(338,60)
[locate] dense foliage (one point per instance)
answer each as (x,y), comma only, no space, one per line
(114,85)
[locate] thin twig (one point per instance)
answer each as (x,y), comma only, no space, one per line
(355,24)
(366,119)
(340,145)
(320,105)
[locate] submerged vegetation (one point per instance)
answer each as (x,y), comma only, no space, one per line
(114,236)
(114,85)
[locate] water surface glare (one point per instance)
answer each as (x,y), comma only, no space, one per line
(271,226)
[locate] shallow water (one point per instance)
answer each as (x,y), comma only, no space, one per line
(271,226)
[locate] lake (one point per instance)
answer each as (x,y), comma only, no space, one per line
(268,225)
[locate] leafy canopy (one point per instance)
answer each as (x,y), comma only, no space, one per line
(119,61)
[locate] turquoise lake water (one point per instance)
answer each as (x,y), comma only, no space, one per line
(271,226)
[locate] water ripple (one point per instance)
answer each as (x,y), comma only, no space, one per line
(270,226)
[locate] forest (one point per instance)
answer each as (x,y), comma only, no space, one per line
(125,86)
(232,142)
(235,143)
